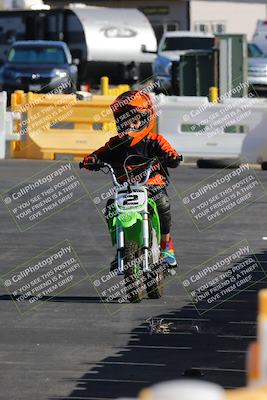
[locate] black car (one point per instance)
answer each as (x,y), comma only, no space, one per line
(39,66)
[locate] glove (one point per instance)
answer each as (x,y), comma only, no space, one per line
(91,159)
(172,160)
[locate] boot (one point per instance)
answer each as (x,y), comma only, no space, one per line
(167,253)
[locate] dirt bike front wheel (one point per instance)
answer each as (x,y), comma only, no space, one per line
(154,283)
(133,275)
(154,279)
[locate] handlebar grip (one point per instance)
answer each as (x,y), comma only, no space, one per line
(97,165)
(181,157)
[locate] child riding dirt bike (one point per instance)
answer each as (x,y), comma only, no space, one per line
(135,117)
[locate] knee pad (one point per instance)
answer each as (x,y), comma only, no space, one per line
(164,210)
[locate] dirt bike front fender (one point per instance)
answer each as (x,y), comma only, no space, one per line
(131,223)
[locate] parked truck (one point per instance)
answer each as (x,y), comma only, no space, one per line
(171,47)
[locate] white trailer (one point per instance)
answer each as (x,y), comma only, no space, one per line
(116,34)
(105,40)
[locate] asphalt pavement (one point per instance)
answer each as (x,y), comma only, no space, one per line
(78,345)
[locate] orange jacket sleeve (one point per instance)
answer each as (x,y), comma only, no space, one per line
(163,149)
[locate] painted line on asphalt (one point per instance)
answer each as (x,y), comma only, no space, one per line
(243,322)
(220,369)
(83,398)
(237,336)
(188,319)
(232,351)
(131,363)
(169,333)
(110,380)
(205,309)
(159,347)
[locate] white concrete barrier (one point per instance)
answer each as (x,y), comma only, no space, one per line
(233,128)
(3,100)
(7,119)
(11,118)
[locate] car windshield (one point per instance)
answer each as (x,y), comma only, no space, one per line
(254,51)
(186,43)
(36,55)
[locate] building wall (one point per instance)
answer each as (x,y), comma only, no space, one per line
(238,17)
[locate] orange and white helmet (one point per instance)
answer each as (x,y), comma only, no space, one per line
(127,107)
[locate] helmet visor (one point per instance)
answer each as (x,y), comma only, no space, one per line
(131,120)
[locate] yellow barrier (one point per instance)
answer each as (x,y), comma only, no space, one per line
(214,94)
(247,394)
(106,91)
(60,124)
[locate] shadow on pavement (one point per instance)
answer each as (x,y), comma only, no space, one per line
(210,346)
(65,299)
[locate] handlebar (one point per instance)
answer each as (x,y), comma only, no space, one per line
(100,164)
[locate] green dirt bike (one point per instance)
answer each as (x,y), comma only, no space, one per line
(135,230)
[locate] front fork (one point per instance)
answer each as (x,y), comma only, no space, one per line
(145,242)
(120,245)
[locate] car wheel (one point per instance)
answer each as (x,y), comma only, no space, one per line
(218,163)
